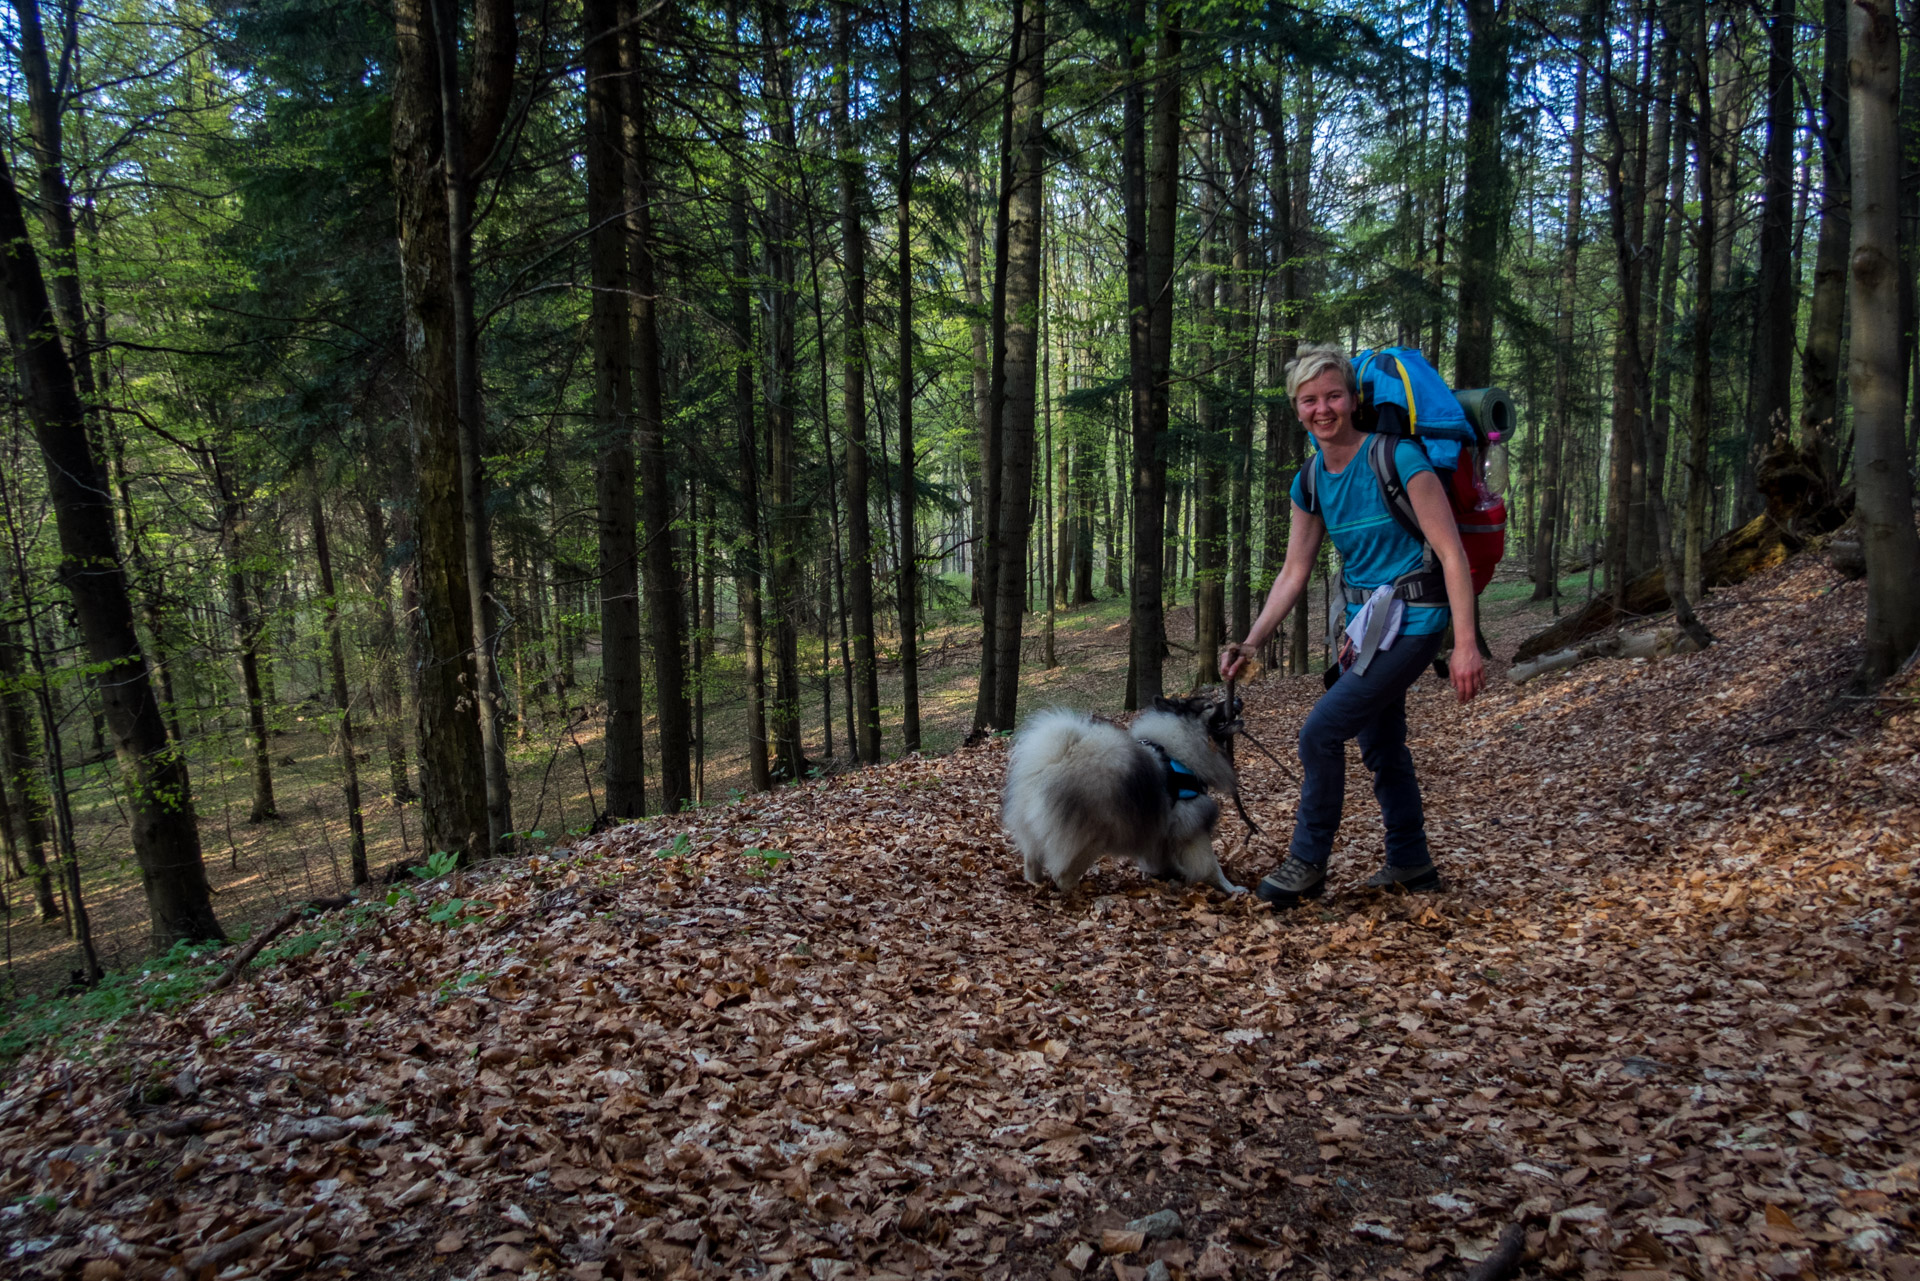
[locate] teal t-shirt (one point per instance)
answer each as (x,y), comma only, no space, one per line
(1373,549)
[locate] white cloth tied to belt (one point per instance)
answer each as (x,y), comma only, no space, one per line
(1376,626)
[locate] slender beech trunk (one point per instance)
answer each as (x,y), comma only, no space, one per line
(1770,403)
(853,248)
(972,272)
(452,777)
(1210,469)
(337,662)
(785,518)
(992,437)
(1022,363)
(1699,482)
(246,636)
(611,329)
(747,556)
(1151,187)
(1820,358)
(666,601)
(907,588)
(1874,365)
(1241,328)
(20,767)
(166,839)
(386,651)
(1546,550)
(1626,174)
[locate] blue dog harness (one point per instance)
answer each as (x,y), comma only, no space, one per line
(1182,783)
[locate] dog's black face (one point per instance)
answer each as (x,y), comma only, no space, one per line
(1220,721)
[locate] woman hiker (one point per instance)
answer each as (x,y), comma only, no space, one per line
(1385,570)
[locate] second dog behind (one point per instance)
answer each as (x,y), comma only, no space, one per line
(1078,788)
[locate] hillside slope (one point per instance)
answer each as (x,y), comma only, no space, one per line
(1666,1010)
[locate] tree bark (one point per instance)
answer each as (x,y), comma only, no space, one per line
(467,134)
(386,646)
(1546,551)
(610,321)
(1152,187)
(1699,482)
(907,589)
(337,662)
(853,248)
(1211,451)
(1820,359)
(785,518)
(1022,360)
(19,769)
(1875,373)
(1770,405)
(166,838)
(666,597)
(1485,197)
(452,779)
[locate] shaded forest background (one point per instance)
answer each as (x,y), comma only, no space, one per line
(469,424)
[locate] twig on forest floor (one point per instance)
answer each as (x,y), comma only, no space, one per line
(260,940)
(221,1253)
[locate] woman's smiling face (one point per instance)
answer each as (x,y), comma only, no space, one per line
(1325,406)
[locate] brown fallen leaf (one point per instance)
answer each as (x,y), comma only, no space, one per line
(1121,1241)
(509,1258)
(451,1242)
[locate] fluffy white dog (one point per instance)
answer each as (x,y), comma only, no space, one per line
(1078,788)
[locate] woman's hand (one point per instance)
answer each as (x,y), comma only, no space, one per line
(1466,671)
(1233,658)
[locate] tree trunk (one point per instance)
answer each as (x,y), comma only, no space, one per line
(166,838)
(785,518)
(612,342)
(1820,359)
(466,136)
(1152,189)
(748,559)
(992,436)
(1546,551)
(1875,377)
(452,779)
(1770,405)
(19,767)
(1484,199)
(337,661)
(666,596)
(1238,375)
(1022,360)
(386,647)
(1210,488)
(46,96)
(972,272)
(853,242)
(1699,482)
(907,590)
(246,634)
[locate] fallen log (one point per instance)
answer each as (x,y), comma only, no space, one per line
(280,926)
(1732,558)
(1654,644)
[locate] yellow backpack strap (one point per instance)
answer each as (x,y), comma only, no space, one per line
(1413,412)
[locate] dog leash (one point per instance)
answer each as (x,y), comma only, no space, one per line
(1253,828)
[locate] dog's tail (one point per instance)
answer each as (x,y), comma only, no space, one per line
(1051,738)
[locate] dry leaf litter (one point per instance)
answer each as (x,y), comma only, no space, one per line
(1665,1014)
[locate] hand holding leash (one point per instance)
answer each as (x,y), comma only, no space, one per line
(1234,656)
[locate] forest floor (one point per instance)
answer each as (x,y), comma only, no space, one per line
(257,870)
(1665,1015)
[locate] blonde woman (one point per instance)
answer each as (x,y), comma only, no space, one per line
(1417,592)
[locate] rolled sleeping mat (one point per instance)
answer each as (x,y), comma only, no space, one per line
(1491,412)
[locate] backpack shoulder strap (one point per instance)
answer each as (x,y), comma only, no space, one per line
(1386,470)
(1309,488)
(1398,368)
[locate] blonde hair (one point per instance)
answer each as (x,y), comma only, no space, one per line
(1316,359)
